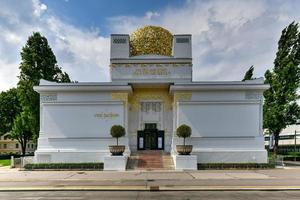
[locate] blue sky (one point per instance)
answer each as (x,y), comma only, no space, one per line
(228,36)
(96,13)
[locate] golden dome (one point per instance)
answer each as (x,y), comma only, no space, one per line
(151,40)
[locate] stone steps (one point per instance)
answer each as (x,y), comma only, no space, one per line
(150,160)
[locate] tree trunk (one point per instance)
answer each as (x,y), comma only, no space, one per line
(117,141)
(23,148)
(276,138)
(184,141)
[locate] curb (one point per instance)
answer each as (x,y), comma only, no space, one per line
(151,188)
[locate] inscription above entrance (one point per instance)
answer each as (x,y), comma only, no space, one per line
(151,72)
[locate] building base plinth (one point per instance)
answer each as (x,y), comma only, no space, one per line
(188,162)
(115,163)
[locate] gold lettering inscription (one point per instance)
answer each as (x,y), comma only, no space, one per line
(155,71)
(106,115)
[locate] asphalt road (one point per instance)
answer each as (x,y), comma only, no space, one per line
(187,195)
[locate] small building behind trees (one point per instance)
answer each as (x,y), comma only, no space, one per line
(10,146)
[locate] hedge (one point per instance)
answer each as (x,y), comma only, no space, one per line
(8,156)
(64,166)
(236,165)
(291,158)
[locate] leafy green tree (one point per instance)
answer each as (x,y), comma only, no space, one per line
(117,131)
(184,131)
(22,129)
(37,62)
(249,74)
(280,106)
(9,108)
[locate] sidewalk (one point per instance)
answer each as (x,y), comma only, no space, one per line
(273,179)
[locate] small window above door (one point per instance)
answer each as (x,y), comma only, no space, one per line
(150,126)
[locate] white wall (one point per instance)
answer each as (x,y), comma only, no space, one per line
(81,120)
(226,126)
(220,119)
(79,131)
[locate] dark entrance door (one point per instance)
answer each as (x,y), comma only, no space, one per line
(150,138)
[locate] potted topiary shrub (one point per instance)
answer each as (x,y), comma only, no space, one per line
(184,131)
(117,131)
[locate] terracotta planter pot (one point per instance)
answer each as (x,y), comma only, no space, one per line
(117,150)
(184,149)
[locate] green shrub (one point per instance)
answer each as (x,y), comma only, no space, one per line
(291,158)
(65,166)
(184,131)
(236,165)
(117,131)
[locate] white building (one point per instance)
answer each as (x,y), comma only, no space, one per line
(151,87)
(12,146)
(287,136)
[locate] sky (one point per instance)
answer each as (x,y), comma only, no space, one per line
(228,36)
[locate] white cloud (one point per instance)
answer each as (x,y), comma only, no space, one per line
(39,8)
(150,14)
(228,36)
(84,54)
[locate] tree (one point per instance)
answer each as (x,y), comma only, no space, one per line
(249,74)
(22,129)
(117,131)
(184,131)
(37,62)
(280,106)
(9,108)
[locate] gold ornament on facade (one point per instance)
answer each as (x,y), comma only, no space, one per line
(141,94)
(151,40)
(182,96)
(120,96)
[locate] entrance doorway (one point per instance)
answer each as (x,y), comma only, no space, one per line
(150,138)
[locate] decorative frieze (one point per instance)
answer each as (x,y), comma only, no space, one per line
(48,97)
(120,96)
(151,72)
(142,94)
(146,65)
(182,96)
(253,95)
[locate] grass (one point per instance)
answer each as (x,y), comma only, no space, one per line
(4,162)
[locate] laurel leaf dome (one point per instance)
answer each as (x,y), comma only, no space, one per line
(151,40)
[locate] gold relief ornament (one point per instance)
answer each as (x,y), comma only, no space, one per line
(182,96)
(151,40)
(141,94)
(120,96)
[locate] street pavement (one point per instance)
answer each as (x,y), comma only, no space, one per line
(287,179)
(138,195)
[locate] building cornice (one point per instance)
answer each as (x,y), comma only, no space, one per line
(151,60)
(46,86)
(205,86)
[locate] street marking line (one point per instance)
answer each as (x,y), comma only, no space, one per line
(149,188)
(73,188)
